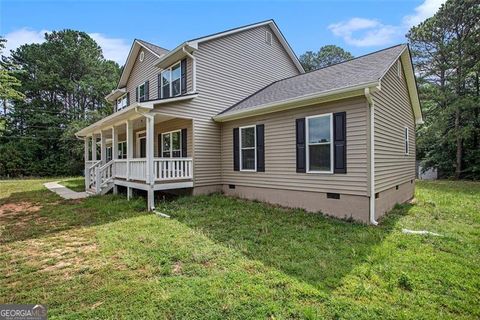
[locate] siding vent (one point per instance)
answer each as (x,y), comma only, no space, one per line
(333,195)
(377,195)
(396,187)
(268,38)
(142,56)
(231,186)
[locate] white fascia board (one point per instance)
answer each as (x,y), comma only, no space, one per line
(301,101)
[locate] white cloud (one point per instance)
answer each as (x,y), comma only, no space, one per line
(427,9)
(22,36)
(115,49)
(361,32)
(373,32)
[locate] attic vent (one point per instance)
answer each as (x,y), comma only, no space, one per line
(268,38)
(142,56)
(399,69)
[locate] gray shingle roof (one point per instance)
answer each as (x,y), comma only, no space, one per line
(158,50)
(358,71)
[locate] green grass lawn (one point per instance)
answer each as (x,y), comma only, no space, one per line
(218,257)
(76,184)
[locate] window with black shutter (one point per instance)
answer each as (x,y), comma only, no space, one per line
(340,142)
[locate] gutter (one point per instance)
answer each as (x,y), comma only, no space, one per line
(371,105)
(297,102)
(194,68)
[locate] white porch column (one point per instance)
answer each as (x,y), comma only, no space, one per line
(86,145)
(149,145)
(94,147)
(114,143)
(150,123)
(86,167)
(129,131)
(103,148)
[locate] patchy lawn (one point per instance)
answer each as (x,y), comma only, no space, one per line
(217,257)
(75,184)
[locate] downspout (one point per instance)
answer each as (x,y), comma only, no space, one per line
(194,69)
(371,104)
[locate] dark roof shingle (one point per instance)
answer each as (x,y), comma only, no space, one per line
(158,50)
(358,71)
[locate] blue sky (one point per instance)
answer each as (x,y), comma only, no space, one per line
(358,26)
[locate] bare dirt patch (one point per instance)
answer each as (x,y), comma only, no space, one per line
(18,207)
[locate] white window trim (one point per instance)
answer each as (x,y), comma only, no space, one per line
(121,98)
(171,143)
(170,89)
(307,143)
(406,138)
(254,147)
(137,144)
(119,143)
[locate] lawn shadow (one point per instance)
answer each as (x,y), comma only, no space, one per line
(310,247)
(33,214)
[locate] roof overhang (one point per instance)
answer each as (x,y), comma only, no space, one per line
(115,94)
(409,72)
(322,97)
(192,45)
(131,112)
(134,50)
(175,55)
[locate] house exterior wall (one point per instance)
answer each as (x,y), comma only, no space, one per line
(393,112)
(146,70)
(228,70)
(280,152)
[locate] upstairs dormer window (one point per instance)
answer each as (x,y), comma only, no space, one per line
(122,102)
(171,81)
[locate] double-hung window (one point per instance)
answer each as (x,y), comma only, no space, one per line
(122,102)
(319,136)
(172,144)
(141,92)
(248,149)
(122,150)
(171,81)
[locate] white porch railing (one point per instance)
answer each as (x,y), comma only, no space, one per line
(172,168)
(163,169)
(91,174)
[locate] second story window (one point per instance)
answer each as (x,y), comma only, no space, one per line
(141,92)
(122,102)
(171,81)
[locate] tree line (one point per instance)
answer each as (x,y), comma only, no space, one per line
(51,90)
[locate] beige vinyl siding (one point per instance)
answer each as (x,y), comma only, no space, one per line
(393,112)
(146,70)
(228,70)
(280,151)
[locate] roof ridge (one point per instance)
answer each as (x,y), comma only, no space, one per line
(152,44)
(229,30)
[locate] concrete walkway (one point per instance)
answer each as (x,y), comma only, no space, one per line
(64,192)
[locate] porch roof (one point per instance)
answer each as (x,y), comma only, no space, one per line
(131,112)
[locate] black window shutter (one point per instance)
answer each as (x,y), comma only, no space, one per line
(260,148)
(340,142)
(236,150)
(183,65)
(136,94)
(128,99)
(184,143)
(147,91)
(159,86)
(300,138)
